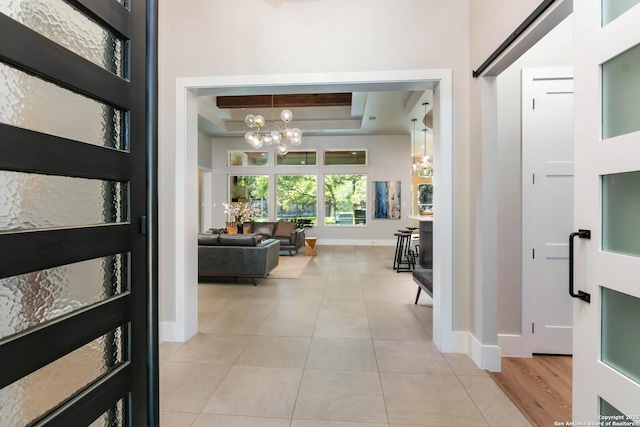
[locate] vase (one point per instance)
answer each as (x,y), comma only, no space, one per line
(232,227)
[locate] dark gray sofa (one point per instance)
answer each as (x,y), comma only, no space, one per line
(424,278)
(236,255)
(290,236)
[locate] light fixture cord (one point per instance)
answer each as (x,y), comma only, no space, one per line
(273,120)
(413,154)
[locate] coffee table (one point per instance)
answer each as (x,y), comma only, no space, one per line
(311,243)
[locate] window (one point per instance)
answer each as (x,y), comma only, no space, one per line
(252,189)
(345,198)
(345,157)
(248,158)
(297,158)
(296,197)
(425,197)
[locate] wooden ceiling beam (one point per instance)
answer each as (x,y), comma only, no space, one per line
(281,101)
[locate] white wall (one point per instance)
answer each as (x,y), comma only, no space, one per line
(389,159)
(205,154)
(224,38)
(554,50)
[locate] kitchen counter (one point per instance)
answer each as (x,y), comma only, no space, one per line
(428,218)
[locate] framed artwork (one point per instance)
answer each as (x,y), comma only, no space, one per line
(386,200)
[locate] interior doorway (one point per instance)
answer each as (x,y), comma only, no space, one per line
(185,184)
(552,48)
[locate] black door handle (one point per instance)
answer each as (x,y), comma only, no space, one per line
(583,234)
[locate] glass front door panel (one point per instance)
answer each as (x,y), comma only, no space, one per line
(611,9)
(30,201)
(620,213)
(32,396)
(608,410)
(114,417)
(34,298)
(32,103)
(620,343)
(61,23)
(620,94)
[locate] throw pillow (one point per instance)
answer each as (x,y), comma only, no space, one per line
(238,240)
(284,228)
(208,240)
(263,228)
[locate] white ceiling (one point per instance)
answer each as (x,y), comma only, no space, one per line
(376,112)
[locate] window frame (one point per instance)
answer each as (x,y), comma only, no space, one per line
(298,165)
(275,202)
(366,157)
(267,164)
(366,201)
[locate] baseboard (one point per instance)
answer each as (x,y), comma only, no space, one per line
(459,342)
(485,356)
(167,332)
(510,345)
(356,242)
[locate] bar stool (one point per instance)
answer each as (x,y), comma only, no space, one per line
(404,259)
(414,243)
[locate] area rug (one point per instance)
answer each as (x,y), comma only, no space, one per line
(289,267)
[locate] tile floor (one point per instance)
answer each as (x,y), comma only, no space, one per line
(343,345)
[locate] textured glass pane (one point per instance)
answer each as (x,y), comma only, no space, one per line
(611,9)
(297,158)
(248,158)
(34,298)
(114,417)
(345,199)
(621,213)
(32,396)
(31,103)
(250,190)
(345,157)
(29,201)
(60,22)
(608,410)
(296,198)
(620,94)
(620,343)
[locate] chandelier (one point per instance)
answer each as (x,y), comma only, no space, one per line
(262,137)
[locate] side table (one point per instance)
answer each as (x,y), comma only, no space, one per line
(311,243)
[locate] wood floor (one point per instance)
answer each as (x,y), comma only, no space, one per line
(540,387)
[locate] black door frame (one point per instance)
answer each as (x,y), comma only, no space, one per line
(136,309)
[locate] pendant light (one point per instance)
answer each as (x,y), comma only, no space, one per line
(426,169)
(414,164)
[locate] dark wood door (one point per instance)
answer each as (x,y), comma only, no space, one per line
(78,309)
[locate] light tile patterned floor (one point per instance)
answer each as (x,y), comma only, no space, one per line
(341,346)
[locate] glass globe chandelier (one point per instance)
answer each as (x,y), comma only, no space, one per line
(262,137)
